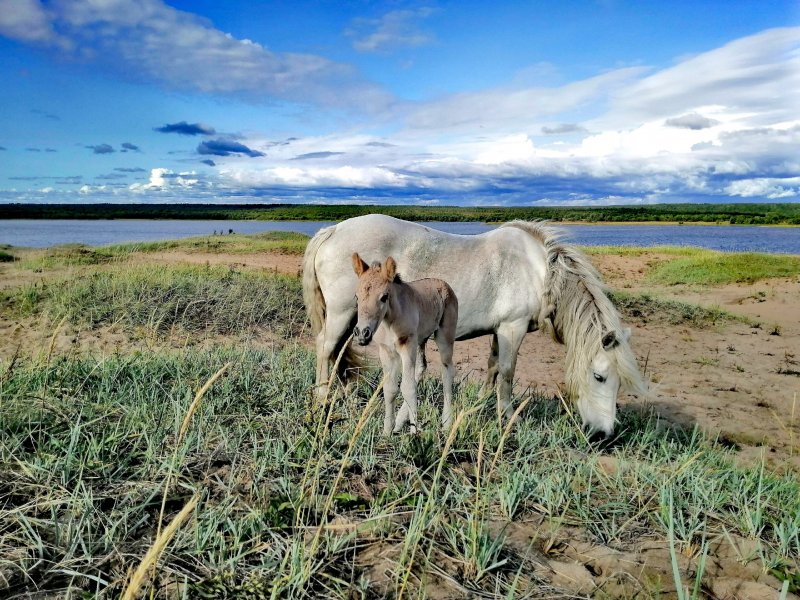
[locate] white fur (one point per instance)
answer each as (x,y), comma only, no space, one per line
(507,281)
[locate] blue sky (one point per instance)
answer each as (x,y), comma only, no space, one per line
(475,103)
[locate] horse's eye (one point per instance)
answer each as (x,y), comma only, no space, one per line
(599,378)
(384,297)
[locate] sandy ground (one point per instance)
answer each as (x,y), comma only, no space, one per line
(739,381)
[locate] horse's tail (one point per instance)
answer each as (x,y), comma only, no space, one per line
(314,300)
(312,293)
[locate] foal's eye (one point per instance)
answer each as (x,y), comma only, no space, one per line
(599,378)
(384,297)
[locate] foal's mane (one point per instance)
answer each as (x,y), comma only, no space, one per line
(577,311)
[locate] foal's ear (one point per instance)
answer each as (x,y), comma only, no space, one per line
(359,266)
(610,341)
(390,269)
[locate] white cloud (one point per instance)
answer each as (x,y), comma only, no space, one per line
(184,51)
(28,21)
(395,29)
(164,179)
(774,189)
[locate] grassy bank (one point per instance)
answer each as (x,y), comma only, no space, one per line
(161,298)
(292,501)
(672,265)
(752,214)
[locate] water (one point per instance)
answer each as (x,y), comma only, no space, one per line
(42,233)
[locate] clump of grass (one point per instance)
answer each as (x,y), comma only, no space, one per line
(215,299)
(651,308)
(716,268)
(291,506)
(7,256)
(286,242)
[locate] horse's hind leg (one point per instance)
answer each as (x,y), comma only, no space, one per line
(509,338)
(335,330)
(491,369)
(444,342)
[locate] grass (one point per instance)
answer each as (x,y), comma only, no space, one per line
(7,256)
(285,242)
(649,307)
(214,299)
(88,445)
(213,472)
(718,268)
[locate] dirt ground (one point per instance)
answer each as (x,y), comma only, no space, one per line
(736,380)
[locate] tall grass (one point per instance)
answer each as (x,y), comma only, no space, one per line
(216,299)
(87,445)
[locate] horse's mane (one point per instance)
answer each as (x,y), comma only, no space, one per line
(577,311)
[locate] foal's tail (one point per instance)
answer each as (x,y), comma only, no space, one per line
(316,307)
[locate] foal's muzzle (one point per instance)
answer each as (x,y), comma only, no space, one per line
(364,336)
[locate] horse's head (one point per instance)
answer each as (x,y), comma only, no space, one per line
(600,383)
(372,295)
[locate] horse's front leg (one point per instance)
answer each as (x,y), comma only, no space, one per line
(509,339)
(408,385)
(392,367)
(491,368)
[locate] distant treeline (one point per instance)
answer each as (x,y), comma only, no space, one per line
(736,214)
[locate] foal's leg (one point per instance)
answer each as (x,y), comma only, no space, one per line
(408,412)
(336,328)
(509,338)
(444,342)
(491,369)
(390,361)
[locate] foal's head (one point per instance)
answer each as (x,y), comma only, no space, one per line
(372,295)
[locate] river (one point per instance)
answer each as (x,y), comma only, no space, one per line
(42,233)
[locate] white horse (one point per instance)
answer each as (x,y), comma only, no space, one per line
(508,281)
(400,317)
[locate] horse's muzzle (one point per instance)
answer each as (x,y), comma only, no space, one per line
(364,336)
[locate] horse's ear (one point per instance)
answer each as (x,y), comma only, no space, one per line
(390,269)
(610,341)
(359,266)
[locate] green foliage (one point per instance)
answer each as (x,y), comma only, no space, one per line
(714,268)
(7,256)
(648,307)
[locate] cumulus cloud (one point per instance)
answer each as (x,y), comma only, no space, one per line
(149,39)
(185,128)
(222,147)
(101,149)
(127,146)
(165,179)
(29,21)
(312,155)
(395,29)
(563,128)
(691,121)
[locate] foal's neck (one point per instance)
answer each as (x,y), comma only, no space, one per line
(400,291)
